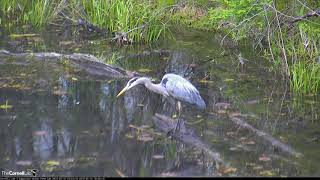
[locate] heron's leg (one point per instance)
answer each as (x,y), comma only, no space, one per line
(178,124)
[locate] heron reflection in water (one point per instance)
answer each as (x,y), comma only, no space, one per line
(173,87)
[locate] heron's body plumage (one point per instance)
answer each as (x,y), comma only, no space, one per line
(182,90)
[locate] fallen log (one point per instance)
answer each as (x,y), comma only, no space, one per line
(89,63)
(186,136)
(268,138)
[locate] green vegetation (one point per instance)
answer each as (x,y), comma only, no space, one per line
(305,77)
(134,20)
(36,12)
(140,21)
(286,31)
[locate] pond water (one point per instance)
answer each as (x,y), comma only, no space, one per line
(64,122)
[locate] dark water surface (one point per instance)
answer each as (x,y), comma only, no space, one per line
(64,122)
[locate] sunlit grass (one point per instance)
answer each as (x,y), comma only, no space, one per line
(141,21)
(35,12)
(305,77)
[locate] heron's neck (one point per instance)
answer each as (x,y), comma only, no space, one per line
(157,88)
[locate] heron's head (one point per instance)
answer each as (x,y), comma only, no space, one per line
(133,82)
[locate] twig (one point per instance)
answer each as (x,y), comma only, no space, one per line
(239,25)
(315,13)
(265,136)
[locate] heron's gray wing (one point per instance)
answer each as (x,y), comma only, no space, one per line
(181,89)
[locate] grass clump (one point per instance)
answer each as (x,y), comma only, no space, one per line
(305,77)
(142,22)
(139,21)
(34,12)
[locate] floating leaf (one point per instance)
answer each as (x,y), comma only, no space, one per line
(21,35)
(24,163)
(129,136)
(283,139)
(251,164)
(206,81)
(25,102)
(59,92)
(248,142)
(231,133)
(53,163)
(264,158)
(192,65)
(221,111)
(257,167)
(144,70)
(222,105)
(243,138)
(135,127)
(40,133)
(234,149)
(158,156)
(145,138)
(267,173)
(65,43)
(234,114)
(227,170)
(228,80)
(120,173)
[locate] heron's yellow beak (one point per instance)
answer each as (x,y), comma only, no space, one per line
(122,91)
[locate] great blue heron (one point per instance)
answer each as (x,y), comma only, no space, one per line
(172,86)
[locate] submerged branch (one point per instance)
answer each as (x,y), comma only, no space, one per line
(186,136)
(87,62)
(274,142)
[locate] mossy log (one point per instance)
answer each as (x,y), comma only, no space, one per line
(89,63)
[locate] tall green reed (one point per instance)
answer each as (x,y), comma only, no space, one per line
(141,21)
(305,77)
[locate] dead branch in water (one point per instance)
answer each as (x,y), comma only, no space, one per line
(186,136)
(274,142)
(87,62)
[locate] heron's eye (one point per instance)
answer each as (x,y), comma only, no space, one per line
(132,80)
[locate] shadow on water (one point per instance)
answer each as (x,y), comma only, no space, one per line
(64,122)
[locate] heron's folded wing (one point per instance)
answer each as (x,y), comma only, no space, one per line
(181,89)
